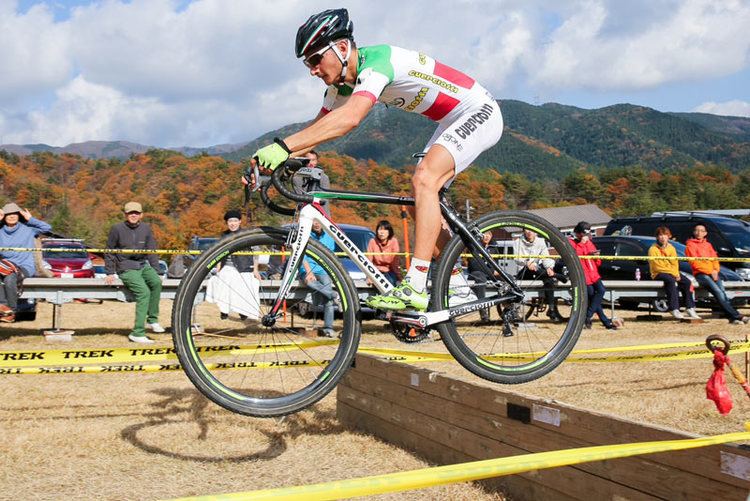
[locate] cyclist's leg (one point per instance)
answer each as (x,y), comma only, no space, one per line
(450,150)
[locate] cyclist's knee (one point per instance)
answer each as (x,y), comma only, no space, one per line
(425,181)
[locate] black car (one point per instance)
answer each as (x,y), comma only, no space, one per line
(180,263)
(638,246)
(729,236)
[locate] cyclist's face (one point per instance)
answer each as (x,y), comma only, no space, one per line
(325,65)
(319,64)
(314,59)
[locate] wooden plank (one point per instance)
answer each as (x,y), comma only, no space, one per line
(517,486)
(591,427)
(460,432)
(569,480)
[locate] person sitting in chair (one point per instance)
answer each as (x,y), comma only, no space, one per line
(536,268)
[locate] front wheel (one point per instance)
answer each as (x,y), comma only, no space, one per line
(262,368)
(505,343)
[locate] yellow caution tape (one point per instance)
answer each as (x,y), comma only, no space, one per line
(475,470)
(118,355)
(268,253)
(100,369)
(44,359)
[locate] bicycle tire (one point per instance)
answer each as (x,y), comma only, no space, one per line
(503,351)
(237,374)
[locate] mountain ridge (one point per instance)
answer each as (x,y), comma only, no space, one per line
(540,141)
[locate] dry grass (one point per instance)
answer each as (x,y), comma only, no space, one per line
(148,436)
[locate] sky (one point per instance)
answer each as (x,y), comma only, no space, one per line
(198,73)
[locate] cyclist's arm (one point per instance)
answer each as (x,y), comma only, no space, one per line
(331,125)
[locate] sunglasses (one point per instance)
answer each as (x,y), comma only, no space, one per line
(315,58)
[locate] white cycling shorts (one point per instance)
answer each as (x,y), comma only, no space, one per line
(470,134)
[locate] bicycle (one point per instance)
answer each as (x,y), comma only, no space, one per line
(231,364)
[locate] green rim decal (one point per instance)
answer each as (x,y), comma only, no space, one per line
(216,260)
(324,376)
(208,377)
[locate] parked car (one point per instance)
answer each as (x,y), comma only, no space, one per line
(729,236)
(73,263)
(196,244)
(360,236)
(617,245)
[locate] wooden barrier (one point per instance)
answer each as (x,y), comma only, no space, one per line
(448,421)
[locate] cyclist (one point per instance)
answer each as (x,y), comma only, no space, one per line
(468,117)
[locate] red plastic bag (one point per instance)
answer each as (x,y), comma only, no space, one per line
(716,388)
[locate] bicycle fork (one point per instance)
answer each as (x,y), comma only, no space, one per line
(297,242)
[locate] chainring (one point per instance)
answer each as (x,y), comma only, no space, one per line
(409,334)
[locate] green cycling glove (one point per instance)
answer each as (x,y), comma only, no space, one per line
(273,155)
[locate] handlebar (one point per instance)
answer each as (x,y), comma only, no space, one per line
(284,172)
(279,178)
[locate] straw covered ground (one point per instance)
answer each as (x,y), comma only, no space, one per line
(152,436)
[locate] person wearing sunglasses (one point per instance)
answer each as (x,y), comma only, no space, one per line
(468,117)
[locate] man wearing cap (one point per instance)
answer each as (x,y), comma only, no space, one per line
(137,271)
(18,230)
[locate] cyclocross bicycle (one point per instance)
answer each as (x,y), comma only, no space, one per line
(272,363)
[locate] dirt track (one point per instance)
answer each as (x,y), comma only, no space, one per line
(148,436)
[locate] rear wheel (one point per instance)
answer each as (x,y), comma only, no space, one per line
(505,343)
(243,365)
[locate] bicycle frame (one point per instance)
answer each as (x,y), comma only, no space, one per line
(310,212)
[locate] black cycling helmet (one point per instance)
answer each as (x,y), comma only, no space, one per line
(323,29)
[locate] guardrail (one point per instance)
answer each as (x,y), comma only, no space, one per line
(59,291)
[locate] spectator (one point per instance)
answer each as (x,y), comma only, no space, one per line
(137,271)
(534,268)
(18,230)
(318,280)
(583,246)
(668,270)
(236,286)
(707,272)
(479,275)
(385,249)
(312,178)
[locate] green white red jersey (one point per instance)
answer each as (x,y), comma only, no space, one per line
(469,118)
(411,81)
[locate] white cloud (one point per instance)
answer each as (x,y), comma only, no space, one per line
(34,53)
(169,74)
(700,38)
(734,108)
